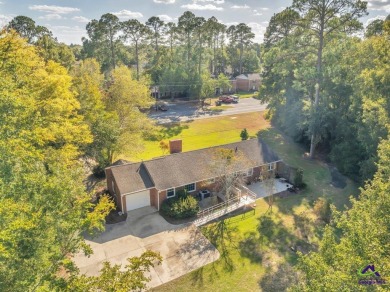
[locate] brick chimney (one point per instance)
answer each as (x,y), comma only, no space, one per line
(175,146)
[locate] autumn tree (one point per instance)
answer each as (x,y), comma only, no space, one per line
(44,209)
(126,97)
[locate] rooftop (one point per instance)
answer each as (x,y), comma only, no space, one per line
(184,168)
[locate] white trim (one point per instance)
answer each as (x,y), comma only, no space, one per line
(189,190)
(125,194)
(158,200)
(174,193)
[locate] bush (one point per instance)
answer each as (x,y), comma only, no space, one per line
(181,206)
(244,134)
(298,179)
(322,209)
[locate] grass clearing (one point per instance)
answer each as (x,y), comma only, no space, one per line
(220,108)
(255,246)
(202,133)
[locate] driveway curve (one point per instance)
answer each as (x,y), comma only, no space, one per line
(183,247)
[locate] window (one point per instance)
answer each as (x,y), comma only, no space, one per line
(190,188)
(249,172)
(170,193)
(271,166)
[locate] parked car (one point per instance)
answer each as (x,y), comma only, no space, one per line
(162,107)
(226,99)
(236,98)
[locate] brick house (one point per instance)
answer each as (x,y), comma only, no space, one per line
(248,82)
(149,183)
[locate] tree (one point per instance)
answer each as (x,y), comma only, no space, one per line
(187,24)
(26,28)
(156,25)
(364,239)
(103,37)
(44,209)
(228,166)
(244,135)
(112,278)
(125,98)
(375,28)
(207,88)
(104,124)
(323,19)
(241,35)
(136,32)
(280,27)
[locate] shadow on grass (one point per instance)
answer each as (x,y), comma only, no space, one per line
(220,235)
(279,279)
(166,131)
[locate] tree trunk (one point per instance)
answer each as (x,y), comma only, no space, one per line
(112,49)
(136,58)
(241,52)
(317,92)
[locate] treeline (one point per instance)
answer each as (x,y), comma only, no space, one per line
(179,58)
(326,87)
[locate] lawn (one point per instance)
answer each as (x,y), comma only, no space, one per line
(255,246)
(201,133)
(244,94)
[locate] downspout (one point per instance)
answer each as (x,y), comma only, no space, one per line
(158,201)
(122,204)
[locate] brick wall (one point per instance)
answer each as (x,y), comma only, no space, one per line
(242,84)
(175,146)
(153,198)
(113,188)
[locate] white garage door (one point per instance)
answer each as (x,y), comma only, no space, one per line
(137,200)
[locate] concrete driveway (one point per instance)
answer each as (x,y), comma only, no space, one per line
(182,247)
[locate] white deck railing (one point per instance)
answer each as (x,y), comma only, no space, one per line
(226,207)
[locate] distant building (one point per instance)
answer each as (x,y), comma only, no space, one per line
(248,82)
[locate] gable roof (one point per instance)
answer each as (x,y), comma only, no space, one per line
(184,168)
(242,76)
(254,76)
(132,177)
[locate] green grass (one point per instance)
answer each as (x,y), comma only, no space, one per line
(220,108)
(255,246)
(243,94)
(201,134)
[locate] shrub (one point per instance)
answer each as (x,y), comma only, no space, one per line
(298,179)
(322,209)
(181,206)
(244,134)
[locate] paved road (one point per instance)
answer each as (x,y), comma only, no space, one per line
(179,112)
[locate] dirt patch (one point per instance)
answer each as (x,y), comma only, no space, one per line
(338,180)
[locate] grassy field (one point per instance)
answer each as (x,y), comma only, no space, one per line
(202,133)
(255,246)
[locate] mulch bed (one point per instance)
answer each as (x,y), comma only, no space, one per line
(114,217)
(177,221)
